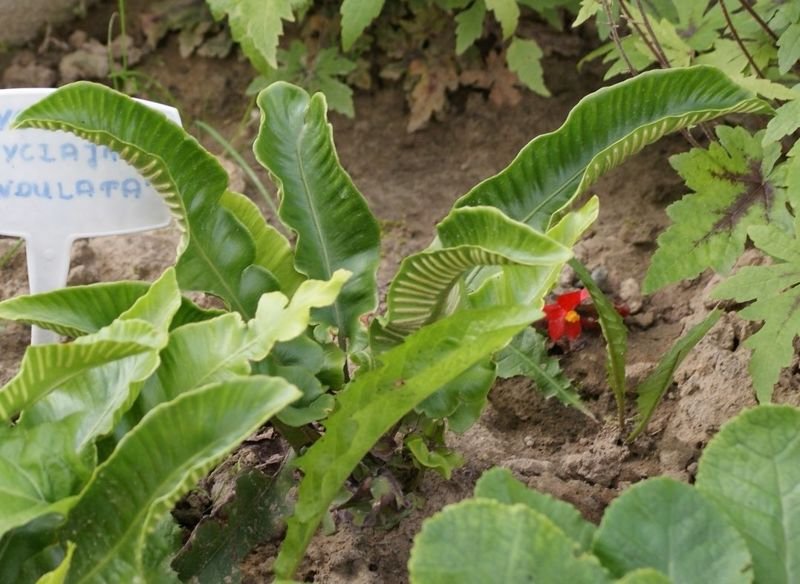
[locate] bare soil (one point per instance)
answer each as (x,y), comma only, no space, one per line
(410,181)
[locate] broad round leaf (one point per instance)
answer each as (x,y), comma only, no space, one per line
(480,540)
(669,526)
(751,470)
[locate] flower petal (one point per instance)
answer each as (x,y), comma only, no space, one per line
(555,328)
(570,300)
(573,329)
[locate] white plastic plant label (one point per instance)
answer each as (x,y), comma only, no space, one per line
(56,187)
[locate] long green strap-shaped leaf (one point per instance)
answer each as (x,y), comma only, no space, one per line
(379,398)
(216,252)
(156,463)
(82,310)
(470,238)
(604,129)
(319,201)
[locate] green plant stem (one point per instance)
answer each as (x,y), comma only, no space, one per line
(9,255)
(239,159)
(645,38)
(612,25)
(739,41)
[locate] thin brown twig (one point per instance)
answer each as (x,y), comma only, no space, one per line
(612,25)
(759,20)
(662,56)
(738,39)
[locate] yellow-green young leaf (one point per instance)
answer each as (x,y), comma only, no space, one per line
(524,57)
(669,526)
(379,398)
(652,389)
(319,201)
(733,190)
(440,460)
(500,485)
(257,26)
(603,130)
(224,347)
(481,540)
(357,15)
(751,471)
(588,9)
(154,465)
(776,292)
(507,14)
(785,122)
(469,25)
(59,575)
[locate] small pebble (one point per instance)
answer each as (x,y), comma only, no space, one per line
(631,295)
(644,320)
(82,275)
(529,441)
(600,277)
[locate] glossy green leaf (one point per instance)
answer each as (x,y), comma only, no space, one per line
(461,400)
(469,238)
(655,385)
(81,310)
(480,540)
(334,226)
(604,129)
(101,395)
(256,25)
(526,355)
(734,189)
(273,251)
(357,15)
(221,348)
(178,442)
(379,398)
(500,485)
(615,334)
(669,526)
(751,471)
(216,252)
(41,471)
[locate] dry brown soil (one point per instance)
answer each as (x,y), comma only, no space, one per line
(410,181)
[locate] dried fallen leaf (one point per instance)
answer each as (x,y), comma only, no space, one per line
(429,95)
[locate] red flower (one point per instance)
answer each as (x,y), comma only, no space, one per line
(562,319)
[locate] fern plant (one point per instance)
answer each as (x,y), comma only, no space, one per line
(293,316)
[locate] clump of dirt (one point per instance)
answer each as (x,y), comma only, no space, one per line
(411,181)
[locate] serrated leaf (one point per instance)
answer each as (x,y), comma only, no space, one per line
(319,201)
(785,122)
(615,334)
(777,302)
(526,355)
(604,129)
(216,252)
(750,471)
(789,48)
(462,400)
(652,389)
(440,460)
(663,524)
(357,15)
(256,25)
(379,398)
(469,26)
(507,14)
(481,540)
(524,57)
(500,485)
(733,191)
(588,9)
(180,440)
